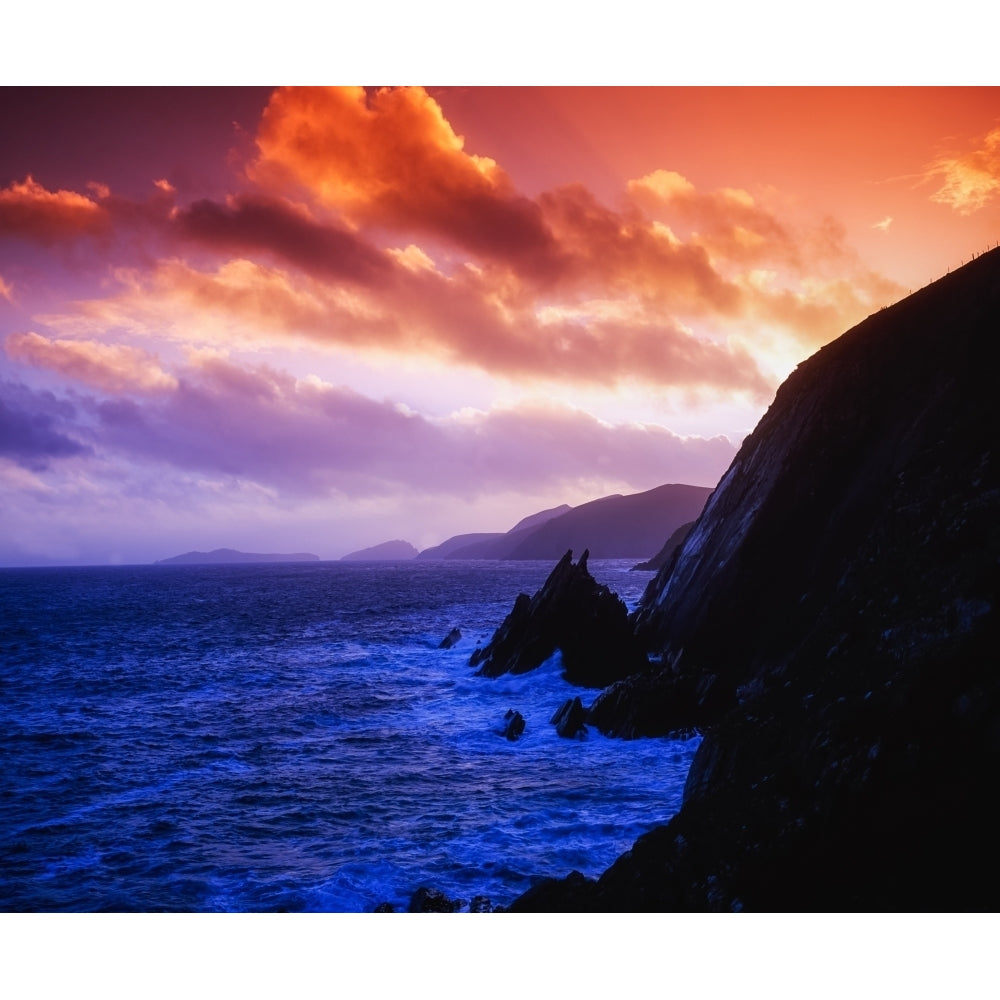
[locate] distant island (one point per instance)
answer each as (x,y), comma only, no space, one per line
(221,556)
(386,552)
(612,527)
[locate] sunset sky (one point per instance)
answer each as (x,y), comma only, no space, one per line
(314,320)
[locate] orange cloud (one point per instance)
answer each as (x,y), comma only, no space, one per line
(373,228)
(111,367)
(6,290)
(474,317)
(730,222)
(601,249)
(391,157)
(970,180)
(28,209)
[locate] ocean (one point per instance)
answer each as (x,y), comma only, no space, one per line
(290,737)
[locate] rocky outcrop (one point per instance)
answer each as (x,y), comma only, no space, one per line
(513,725)
(652,703)
(450,639)
(426,900)
(831,622)
(570,719)
(571,613)
(573,894)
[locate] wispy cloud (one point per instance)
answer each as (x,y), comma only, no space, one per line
(968,181)
(110,367)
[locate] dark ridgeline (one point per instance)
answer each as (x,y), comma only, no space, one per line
(830,624)
(226,557)
(615,527)
(670,548)
(392,551)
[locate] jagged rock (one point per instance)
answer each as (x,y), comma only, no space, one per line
(573,613)
(569,719)
(513,725)
(426,900)
(450,639)
(480,904)
(832,619)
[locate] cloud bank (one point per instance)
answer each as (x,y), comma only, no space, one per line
(358,225)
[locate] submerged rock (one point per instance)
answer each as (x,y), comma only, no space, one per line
(572,613)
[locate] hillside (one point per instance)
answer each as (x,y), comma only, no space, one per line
(616,527)
(449,546)
(221,556)
(384,552)
(831,624)
(491,544)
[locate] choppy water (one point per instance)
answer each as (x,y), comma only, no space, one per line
(289,737)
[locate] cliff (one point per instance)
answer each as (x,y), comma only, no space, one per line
(830,623)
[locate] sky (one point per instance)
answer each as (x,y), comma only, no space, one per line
(315,319)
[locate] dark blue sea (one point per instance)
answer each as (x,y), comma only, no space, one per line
(290,737)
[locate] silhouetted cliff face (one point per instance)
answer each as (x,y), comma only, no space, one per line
(856,514)
(832,621)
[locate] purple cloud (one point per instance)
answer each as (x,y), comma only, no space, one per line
(29,434)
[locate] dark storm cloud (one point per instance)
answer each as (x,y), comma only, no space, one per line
(29,433)
(250,224)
